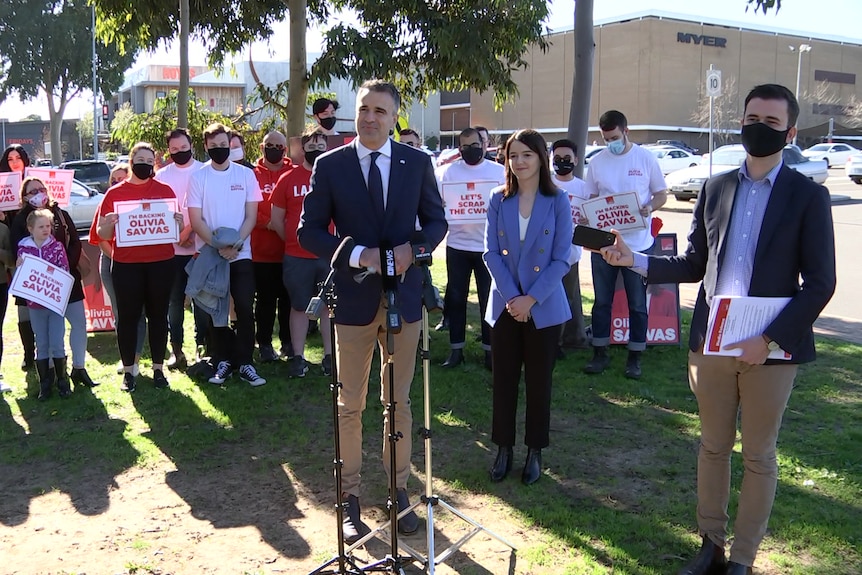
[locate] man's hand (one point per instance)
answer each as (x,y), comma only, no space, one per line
(178,216)
(403,257)
(109,219)
(618,254)
(370,258)
(754,350)
(519,307)
(229,254)
(646,210)
(583,220)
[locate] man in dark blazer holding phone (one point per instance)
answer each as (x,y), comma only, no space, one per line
(374,190)
(755,232)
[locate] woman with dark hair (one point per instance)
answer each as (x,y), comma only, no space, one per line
(528,239)
(35,196)
(142,274)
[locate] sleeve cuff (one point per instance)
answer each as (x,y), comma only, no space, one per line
(641,265)
(354,256)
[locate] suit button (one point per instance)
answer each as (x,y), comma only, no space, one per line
(541,250)
(535,269)
(505,252)
(547,232)
(501,233)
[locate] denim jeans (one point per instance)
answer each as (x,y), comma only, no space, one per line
(604,283)
(459,265)
(77,332)
(50,330)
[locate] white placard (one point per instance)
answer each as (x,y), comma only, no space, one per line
(734,318)
(146,223)
(58,182)
(10,191)
(467,202)
(40,282)
(621,212)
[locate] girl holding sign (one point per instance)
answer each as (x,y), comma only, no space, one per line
(49,326)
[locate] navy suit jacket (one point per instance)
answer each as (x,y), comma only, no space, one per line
(796,240)
(339,194)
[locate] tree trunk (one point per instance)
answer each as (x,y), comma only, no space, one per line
(56,118)
(297,89)
(183,96)
(582,83)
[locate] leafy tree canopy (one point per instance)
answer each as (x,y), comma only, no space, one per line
(764,5)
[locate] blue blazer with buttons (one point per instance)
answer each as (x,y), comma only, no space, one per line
(535,267)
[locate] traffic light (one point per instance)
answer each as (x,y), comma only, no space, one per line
(104,111)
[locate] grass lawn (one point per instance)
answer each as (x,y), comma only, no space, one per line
(617,494)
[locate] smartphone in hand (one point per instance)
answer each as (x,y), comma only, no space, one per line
(591,238)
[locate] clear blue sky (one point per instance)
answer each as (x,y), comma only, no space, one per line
(840,18)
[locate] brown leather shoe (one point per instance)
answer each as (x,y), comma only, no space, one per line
(734,568)
(710,560)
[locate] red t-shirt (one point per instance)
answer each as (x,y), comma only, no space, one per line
(288,194)
(266,246)
(127,191)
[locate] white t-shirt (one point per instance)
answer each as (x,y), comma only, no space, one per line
(635,171)
(485,176)
(577,192)
(178,179)
(222,197)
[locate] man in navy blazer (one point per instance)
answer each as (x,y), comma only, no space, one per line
(374,190)
(755,232)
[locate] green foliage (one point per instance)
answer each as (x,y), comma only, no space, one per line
(85,126)
(764,5)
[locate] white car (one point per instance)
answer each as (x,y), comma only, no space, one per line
(834,154)
(592,151)
(671,159)
(686,184)
(83,203)
(853,168)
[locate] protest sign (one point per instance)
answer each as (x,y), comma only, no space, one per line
(467,202)
(97,304)
(619,211)
(10,191)
(146,223)
(58,182)
(42,283)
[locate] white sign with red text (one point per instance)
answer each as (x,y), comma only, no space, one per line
(38,281)
(467,202)
(10,191)
(619,211)
(58,182)
(146,223)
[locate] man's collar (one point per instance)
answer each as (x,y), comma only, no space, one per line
(385,149)
(770,176)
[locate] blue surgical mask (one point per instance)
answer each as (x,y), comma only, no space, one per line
(617,147)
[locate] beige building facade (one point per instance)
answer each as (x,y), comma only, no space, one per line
(653,67)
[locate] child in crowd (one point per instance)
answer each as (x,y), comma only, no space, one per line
(48,326)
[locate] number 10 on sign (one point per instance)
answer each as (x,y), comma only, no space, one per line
(713,83)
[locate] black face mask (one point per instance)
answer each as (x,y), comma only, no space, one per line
(218,155)
(273,155)
(472,155)
(327,123)
(313,155)
(182,158)
(142,171)
(761,140)
(564,167)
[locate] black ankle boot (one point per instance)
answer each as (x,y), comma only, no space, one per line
(456,357)
(502,464)
(62,377)
(601,360)
(80,377)
(633,365)
(532,467)
(46,378)
(28,342)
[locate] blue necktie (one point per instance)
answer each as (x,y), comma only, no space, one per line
(375,184)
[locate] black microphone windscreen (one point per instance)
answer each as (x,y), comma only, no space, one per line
(341,258)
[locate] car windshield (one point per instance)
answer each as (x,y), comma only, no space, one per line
(729,157)
(819,148)
(92,172)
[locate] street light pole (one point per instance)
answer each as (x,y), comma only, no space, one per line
(95,95)
(801,49)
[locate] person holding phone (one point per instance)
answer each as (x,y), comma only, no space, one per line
(528,239)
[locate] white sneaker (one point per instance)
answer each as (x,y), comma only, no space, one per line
(4,387)
(136,369)
(223,371)
(249,374)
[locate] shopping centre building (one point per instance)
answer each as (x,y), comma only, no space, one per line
(652,66)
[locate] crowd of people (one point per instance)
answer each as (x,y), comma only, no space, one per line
(254,241)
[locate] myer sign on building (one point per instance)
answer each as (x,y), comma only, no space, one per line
(698,39)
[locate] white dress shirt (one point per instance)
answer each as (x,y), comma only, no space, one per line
(384,163)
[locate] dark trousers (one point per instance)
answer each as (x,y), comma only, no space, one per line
(574,333)
(237,346)
(272,299)
(604,282)
(141,287)
(176,307)
(514,344)
(4,301)
(459,265)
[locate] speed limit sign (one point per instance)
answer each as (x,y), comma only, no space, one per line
(713,83)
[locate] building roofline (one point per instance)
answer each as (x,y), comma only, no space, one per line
(734,24)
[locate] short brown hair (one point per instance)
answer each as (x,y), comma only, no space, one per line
(214,130)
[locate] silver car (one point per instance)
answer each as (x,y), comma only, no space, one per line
(853,168)
(83,204)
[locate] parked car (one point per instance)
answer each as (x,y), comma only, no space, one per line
(592,151)
(686,184)
(853,168)
(834,154)
(92,173)
(671,159)
(83,203)
(43,163)
(677,144)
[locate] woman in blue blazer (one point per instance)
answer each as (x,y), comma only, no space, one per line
(528,238)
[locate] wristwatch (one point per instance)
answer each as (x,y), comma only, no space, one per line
(771,344)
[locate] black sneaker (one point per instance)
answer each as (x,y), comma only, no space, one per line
(223,371)
(297,366)
(326,365)
(353,528)
(267,354)
(129,383)
(249,374)
(159,379)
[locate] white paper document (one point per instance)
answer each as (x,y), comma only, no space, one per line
(736,318)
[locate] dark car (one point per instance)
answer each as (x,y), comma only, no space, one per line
(677,144)
(93,173)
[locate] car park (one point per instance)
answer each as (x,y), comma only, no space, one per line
(671,159)
(834,154)
(853,168)
(93,173)
(677,144)
(83,203)
(686,184)
(592,151)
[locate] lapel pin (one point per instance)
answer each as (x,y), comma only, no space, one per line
(401,162)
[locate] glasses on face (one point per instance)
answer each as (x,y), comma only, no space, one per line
(34,191)
(273,146)
(321,147)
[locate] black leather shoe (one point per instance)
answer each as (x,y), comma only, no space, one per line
(489,364)
(353,527)
(502,464)
(734,568)
(601,360)
(456,357)
(80,377)
(532,467)
(159,379)
(710,560)
(633,365)
(409,524)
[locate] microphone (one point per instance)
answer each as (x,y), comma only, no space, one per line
(422,255)
(340,260)
(390,286)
